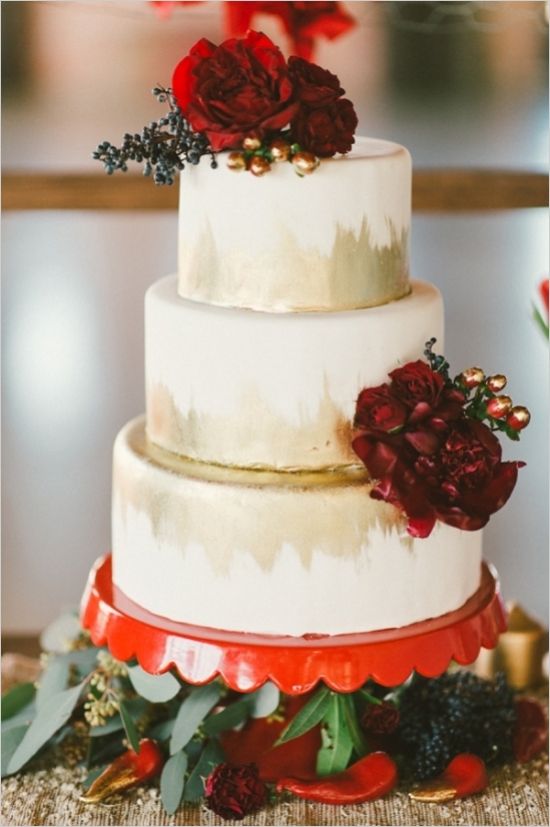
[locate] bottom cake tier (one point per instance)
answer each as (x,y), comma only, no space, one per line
(284,553)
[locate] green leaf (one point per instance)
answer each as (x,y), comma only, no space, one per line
(56,711)
(334,755)
(17,698)
(228,718)
(10,742)
(60,632)
(211,756)
(83,660)
(350,713)
(172,781)
(192,712)
(53,679)
(114,724)
(129,727)
(154,688)
(162,731)
(264,701)
(24,716)
(309,716)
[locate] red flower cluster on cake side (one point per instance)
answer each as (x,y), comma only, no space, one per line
(245,88)
(422,439)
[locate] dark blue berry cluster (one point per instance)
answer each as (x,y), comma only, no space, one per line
(163,147)
(458,712)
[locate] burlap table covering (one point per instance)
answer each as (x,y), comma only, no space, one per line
(48,794)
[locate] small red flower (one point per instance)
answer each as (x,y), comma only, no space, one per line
(233,792)
(416,382)
(236,89)
(381,719)
(530,730)
(315,87)
(327,130)
(378,409)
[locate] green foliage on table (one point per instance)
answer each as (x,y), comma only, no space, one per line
(172,781)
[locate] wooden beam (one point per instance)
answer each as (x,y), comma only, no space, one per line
(434,191)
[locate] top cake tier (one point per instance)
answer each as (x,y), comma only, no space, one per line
(337,239)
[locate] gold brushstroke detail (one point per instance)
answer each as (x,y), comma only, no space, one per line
(434,792)
(254,436)
(355,274)
(228,512)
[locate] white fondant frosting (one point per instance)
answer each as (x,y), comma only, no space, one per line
(336,239)
(238,387)
(275,553)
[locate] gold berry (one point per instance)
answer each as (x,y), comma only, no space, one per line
(236,161)
(280,150)
(259,165)
(251,143)
(472,377)
(518,418)
(499,406)
(305,163)
(496,383)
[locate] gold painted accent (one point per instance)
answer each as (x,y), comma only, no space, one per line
(228,512)
(355,274)
(112,780)
(254,436)
(519,653)
(434,792)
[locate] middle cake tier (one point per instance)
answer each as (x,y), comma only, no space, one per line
(259,390)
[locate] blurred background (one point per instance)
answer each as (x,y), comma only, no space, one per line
(459,83)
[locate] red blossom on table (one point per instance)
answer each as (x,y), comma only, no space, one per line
(380,719)
(427,456)
(234,90)
(303,23)
(234,792)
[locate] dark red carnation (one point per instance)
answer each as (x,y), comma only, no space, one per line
(326,130)
(239,88)
(381,719)
(233,792)
(314,86)
(378,409)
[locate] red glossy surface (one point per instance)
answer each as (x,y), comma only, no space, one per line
(246,661)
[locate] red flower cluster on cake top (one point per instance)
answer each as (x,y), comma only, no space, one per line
(430,444)
(244,95)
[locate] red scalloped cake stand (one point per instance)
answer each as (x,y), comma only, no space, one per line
(295,664)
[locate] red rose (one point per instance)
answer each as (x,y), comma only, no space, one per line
(233,792)
(314,86)
(416,382)
(327,130)
(239,88)
(379,410)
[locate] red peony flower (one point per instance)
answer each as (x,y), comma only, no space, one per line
(233,792)
(381,719)
(327,130)
(379,410)
(239,88)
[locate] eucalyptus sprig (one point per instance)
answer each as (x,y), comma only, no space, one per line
(163,147)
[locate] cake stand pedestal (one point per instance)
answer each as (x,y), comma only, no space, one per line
(294,664)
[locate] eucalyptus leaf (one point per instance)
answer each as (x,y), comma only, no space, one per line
(83,660)
(228,718)
(334,755)
(56,711)
(16,699)
(154,688)
(129,727)
(309,716)
(265,700)
(10,742)
(60,632)
(162,731)
(191,714)
(211,756)
(53,679)
(172,781)
(24,716)
(114,724)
